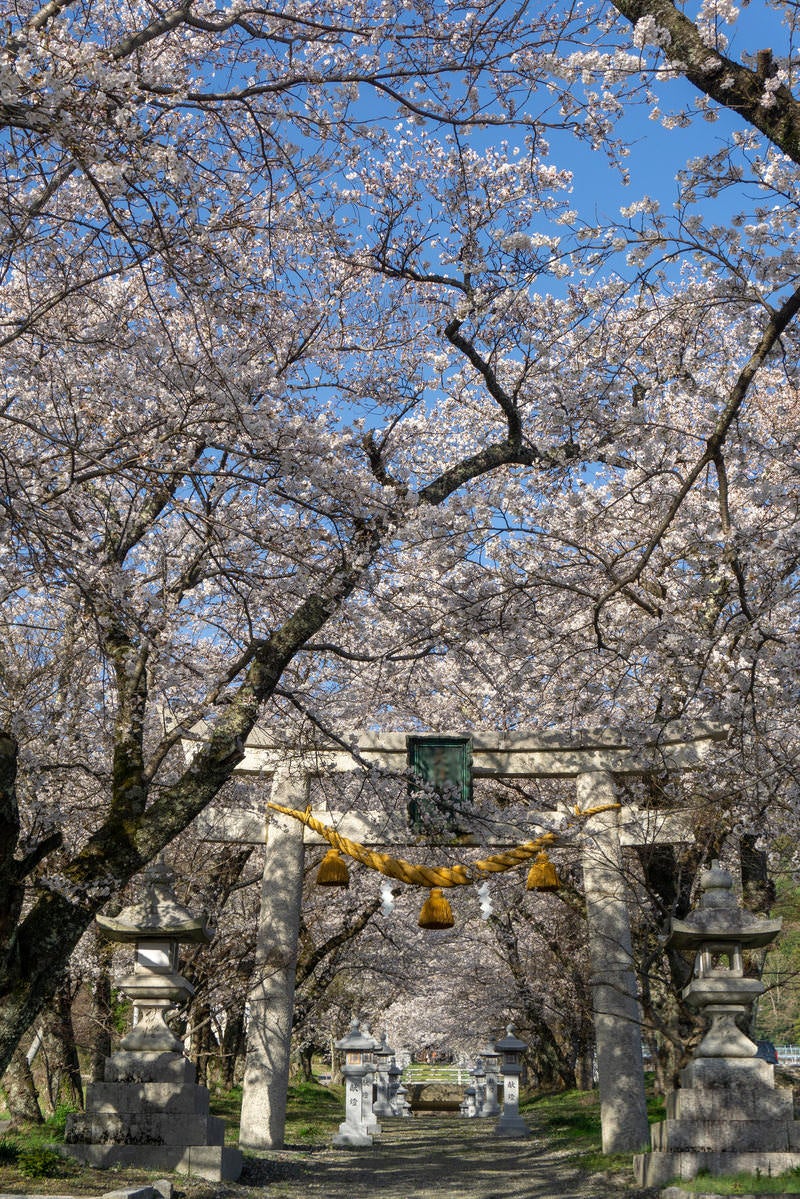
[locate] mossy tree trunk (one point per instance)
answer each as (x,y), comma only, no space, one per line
(19,1088)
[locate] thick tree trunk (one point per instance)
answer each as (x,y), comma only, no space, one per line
(20,1091)
(583,1056)
(102,1022)
(233,1047)
(64,1083)
(306,1059)
(204,1043)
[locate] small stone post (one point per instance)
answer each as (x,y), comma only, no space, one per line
(617,1020)
(510,1122)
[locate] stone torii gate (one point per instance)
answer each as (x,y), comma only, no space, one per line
(591,757)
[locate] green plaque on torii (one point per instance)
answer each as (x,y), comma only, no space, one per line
(444,764)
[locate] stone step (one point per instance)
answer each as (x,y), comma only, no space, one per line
(727,1136)
(137,1129)
(712,1103)
(658,1168)
(149,1098)
(216,1163)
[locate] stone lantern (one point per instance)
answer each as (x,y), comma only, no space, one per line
(157,924)
(717,932)
(478,1074)
(491,1063)
(148,1111)
(727,1116)
(368,1087)
(511,1049)
(403,1106)
(384,1056)
(395,1075)
(357,1048)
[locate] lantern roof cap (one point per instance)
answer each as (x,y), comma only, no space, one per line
(510,1043)
(719,918)
(354,1038)
(156,915)
(383,1047)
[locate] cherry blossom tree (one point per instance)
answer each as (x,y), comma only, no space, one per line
(323,404)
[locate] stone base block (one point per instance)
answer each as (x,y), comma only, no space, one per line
(216,1163)
(134,1128)
(658,1168)
(747,1073)
(714,1103)
(726,1136)
(512,1127)
(349,1137)
(146,1098)
(149,1067)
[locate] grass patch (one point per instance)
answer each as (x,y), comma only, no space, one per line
(571,1120)
(742,1184)
(40,1161)
(9,1152)
(313,1113)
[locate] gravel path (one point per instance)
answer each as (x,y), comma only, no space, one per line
(432,1158)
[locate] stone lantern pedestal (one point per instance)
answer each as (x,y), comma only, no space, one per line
(148,1112)
(727,1116)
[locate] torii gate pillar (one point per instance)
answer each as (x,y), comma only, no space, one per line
(617,1018)
(271,998)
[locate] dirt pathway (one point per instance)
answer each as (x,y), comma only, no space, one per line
(432,1158)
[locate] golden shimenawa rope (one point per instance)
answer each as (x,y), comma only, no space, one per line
(430,876)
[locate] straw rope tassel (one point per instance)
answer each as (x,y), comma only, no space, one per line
(422,876)
(433,876)
(406,872)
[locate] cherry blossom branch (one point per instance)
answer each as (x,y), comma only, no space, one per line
(775,328)
(768,106)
